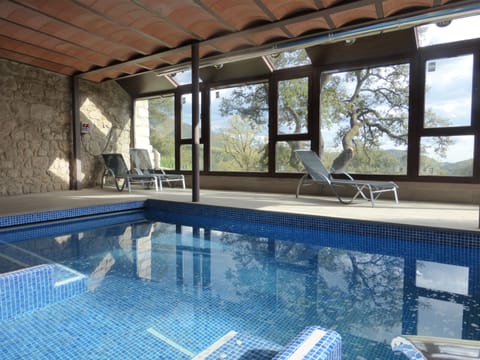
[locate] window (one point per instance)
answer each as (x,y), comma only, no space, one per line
(364,120)
(186,157)
(239,129)
(186,128)
(182,77)
(292,123)
(289,59)
(293,106)
(448,92)
(446,155)
(448,31)
(155,129)
(186,135)
(286,161)
(445,150)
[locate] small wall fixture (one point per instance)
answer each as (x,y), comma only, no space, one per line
(350,42)
(444,23)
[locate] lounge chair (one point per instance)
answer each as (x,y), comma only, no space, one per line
(428,347)
(142,164)
(317,173)
(116,168)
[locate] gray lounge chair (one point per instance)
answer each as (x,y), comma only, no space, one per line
(317,173)
(116,168)
(142,164)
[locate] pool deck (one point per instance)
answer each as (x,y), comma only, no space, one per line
(444,215)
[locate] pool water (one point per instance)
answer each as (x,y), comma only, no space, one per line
(163,290)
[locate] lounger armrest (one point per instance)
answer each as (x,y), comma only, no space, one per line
(342,175)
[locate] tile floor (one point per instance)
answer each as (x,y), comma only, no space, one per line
(445,215)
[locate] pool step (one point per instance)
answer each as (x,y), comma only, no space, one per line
(313,343)
(32,288)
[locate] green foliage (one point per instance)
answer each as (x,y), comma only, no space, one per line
(162,129)
(240,147)
(293,106)
(249,102)
(375,100)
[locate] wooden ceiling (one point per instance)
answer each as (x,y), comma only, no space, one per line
(111,39)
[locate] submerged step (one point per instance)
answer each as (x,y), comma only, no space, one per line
(32,288)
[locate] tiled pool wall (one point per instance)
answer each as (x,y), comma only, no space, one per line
(53,215)
(30,289)
(175,210)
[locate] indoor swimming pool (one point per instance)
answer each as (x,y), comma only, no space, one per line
(167,281)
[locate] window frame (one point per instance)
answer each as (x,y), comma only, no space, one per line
(419,131)
(417,61)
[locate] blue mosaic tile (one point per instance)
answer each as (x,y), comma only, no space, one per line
(32,288)
(97,325)
(53,215)
(29,231)
(309,346)
(176,211)
(240,346)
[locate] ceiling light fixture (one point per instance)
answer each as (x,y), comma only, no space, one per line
(444,23)
(349,42)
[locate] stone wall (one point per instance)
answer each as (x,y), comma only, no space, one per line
(36,128)
(107,109)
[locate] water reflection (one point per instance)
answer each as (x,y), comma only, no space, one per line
(369,291)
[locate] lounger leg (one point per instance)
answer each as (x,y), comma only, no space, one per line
(372,196)
(360,192)
(300,183)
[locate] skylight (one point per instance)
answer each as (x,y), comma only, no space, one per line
(289,59)
(448,31)
(183,77)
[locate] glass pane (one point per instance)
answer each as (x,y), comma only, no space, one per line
(448,92)
(442,277)
(155,129)
(288,59)
(186,157)
(239,129)
(183,77)
(446,155)
(286,160)
(186,129)
(293,106)
(448,31)
(364,120)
